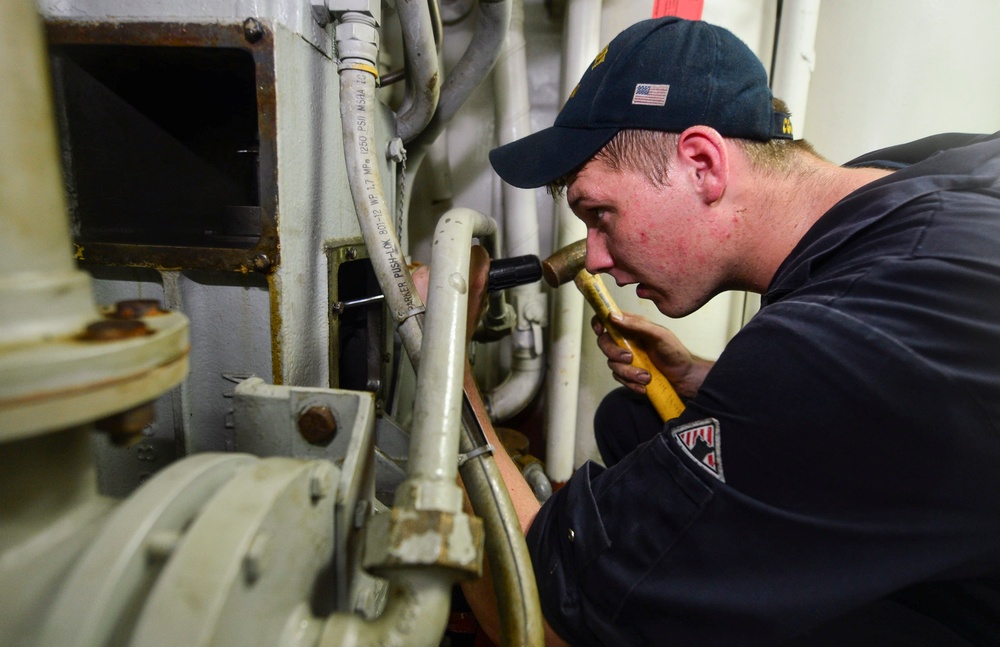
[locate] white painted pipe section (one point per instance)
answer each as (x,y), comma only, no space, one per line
(795,57)
(510,86)
(417,611)
(581,42)
(423,84)
(437,411)
(42,293)
(794,61)
(492,20)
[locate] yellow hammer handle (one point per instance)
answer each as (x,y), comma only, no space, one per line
(659,390)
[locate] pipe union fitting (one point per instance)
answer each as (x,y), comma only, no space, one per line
(356,31)
(357,40)
(403,538)
(370,8)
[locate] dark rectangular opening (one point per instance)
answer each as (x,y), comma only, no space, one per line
(161,145)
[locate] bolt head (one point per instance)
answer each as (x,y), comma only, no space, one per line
(253,31)
(261,263)
(137,308)
(126,427)
(317,425)
(321,481)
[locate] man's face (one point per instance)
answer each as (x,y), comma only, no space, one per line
(662,238)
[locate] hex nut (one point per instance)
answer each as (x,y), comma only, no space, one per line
(317,425)
(125,428)
(137,309)
(405,538)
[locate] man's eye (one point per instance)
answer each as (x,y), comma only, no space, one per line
(599,214)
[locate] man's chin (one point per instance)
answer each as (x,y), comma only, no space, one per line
(663,304)
(658,300)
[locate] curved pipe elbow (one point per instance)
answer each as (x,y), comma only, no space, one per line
(422,66)
(517,390)
(412,594)
(492,21)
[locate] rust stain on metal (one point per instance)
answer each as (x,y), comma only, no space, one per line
(277,377)
(137,309)
(114,330)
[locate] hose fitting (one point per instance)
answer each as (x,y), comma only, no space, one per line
(357,34)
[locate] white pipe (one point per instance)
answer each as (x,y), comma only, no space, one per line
(423,85)
(492,19)
(418,607)
(581,42)
(437,410)
(795,57)
(794,61)
(42,293)
(510,86)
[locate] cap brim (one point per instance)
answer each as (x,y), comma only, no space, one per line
(546,156)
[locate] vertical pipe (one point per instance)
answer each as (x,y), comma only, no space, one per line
(795,57)
(791,73)
(42,293)
(510,85)
(440,382)
(581,42)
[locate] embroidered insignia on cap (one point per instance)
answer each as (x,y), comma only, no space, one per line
(701,441)
(650,94)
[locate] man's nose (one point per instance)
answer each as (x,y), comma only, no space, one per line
(598,258)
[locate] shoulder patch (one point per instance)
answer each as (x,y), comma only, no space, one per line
(702,442)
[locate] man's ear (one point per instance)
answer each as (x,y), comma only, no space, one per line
(702,152)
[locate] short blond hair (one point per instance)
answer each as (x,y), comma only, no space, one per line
(651,153)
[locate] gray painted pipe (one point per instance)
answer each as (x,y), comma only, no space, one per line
(423,80)
(415,614)
(492,20)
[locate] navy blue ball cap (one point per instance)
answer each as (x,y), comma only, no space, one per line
(662,74)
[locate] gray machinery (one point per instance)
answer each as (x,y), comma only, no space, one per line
(226,417)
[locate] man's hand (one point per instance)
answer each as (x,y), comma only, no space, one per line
(684,370)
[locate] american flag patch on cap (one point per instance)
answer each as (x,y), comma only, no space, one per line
(650,94)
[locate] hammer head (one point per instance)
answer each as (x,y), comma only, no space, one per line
(565,264)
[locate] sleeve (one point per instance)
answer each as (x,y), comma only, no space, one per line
(831,489)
